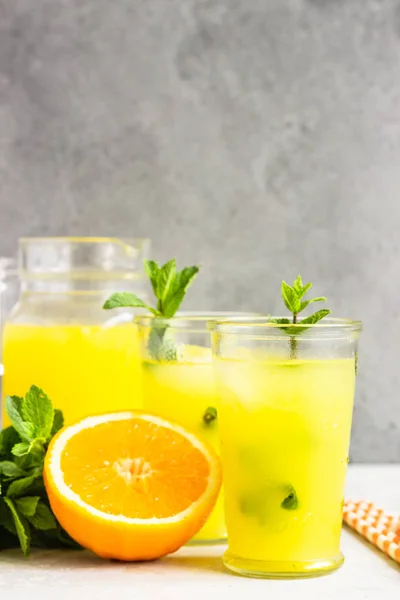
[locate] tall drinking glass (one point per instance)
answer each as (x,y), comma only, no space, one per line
(285,411)
(178,384)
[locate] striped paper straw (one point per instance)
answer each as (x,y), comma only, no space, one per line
(379,527)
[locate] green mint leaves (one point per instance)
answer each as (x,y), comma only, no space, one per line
(169,287)
(293,298)
(32,416)
(25,515)
(127,300)
(210,415)
(265,501)
(291,502)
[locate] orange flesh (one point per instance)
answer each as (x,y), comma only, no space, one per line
(134,468)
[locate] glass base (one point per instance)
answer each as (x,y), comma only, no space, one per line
(211,542)
(281,569)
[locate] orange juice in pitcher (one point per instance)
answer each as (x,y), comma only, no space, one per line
(59,338)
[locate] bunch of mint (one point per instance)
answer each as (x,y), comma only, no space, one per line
(293,299)
(25,516)
(169,287)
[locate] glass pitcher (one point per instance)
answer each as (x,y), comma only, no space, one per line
(58,336)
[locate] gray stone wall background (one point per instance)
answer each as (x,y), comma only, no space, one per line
(260,137)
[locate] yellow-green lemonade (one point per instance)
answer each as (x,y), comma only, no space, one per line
(285,426)
(185,392)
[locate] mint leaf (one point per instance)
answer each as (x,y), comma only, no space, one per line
(169,351)
(305,289)
(38,410)
(279,321)
(6,519)
(290,298)
(183,280)
(33,455)
(173,304)
(21,449)
(19,487)
(127,300)
(166,278)
(304,304)
(156,339)
(291,502)
(16,405)
(152,269)
(10,469)
(27,506)
(43,518)
(21,526)
(14,408)
(312,319)
(298,285)
(210,415)
(58,422)
(8,438)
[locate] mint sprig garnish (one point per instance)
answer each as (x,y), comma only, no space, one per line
(293,298)
(25,515)
(169,287)
(291,502)
(210,415)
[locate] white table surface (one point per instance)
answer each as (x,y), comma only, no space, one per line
(196,573)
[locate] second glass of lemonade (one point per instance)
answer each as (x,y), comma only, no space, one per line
(178,384)
(285,412)
(59,338)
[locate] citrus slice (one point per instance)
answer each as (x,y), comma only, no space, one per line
(129,485)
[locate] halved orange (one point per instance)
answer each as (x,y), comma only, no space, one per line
(129,485)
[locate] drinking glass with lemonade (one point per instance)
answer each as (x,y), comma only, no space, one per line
(181,387)
(286,395)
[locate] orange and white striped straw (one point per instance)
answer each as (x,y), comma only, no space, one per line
(377,526)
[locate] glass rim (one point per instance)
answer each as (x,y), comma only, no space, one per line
(80,238)
(135,242)
(262,325)
(188,319)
